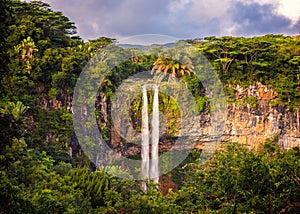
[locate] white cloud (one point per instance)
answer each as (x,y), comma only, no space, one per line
(260,2)
(176,6)
(290,9)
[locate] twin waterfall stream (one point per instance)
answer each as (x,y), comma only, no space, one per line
(150,170)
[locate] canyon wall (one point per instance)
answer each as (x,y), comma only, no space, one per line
(252,124)
(247,122)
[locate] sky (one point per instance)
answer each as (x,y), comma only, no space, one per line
(184,19)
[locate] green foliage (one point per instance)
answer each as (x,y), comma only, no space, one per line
(252,101)
(12,123)
(31,184)
(239,180)
(151,202)
(12,199)
(274,102)
(271,59)
(16,110)
(168,107)
(201,103)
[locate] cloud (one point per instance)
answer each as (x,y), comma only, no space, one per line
(255,18)
(176,6)
(290,9)
(180,18)
(138,17)
(117,18)
(91,17)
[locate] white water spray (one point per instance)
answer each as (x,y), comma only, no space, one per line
(145,140)
(154,169)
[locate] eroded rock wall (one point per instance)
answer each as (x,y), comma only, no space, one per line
(246,122)
(252,124)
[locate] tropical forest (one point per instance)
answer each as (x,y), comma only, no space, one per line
(50,163)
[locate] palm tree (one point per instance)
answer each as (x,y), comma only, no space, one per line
(26,49)
(176,68)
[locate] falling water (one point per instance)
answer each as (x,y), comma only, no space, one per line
(154,170)
(145,139)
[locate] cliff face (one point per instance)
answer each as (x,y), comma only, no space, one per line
(252,124)
(250,120)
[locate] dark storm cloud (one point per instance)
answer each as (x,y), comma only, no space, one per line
(140,16)
(96,18)
(178,18)
(122,18)
(89,16)
(253,19)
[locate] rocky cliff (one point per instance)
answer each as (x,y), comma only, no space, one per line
(252,123)
(254,116)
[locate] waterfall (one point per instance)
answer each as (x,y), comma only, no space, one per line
(145,139)
(154,171)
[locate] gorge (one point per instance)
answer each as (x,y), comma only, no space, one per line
(248,123)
